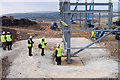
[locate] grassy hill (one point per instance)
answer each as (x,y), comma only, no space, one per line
(50,16)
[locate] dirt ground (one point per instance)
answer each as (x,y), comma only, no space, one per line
(97,63)
(39,30)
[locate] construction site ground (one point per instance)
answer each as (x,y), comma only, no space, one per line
(96,63)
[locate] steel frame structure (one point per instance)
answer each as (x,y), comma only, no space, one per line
(65,13)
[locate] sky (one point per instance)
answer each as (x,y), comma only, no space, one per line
(24,6)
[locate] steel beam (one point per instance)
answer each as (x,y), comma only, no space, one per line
(89,30)
(93,42)
(91,11)
(93,47)
(98,4)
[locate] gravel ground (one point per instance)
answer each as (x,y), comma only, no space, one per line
(97,62)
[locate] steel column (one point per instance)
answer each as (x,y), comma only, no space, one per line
(119,8)
(80,19)
(99,21)
(110,15)
(93,14)
(67,34)
(86,15)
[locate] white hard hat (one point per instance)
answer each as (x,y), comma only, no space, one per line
(8,32)
(3,32)
(43,37)
(58,44)
(30,37)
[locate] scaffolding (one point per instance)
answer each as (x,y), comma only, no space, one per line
(65,14)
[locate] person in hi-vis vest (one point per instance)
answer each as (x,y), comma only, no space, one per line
(3,40)
(58,54)
(93,33)
(43,44)
(30,45)
(9,40)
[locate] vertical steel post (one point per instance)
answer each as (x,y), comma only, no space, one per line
(68,36)
(110,14)
(80,19)
(119,8)
(99,20)
(69,41)
(93,13)
(61,14)
(65,19)
(86,15)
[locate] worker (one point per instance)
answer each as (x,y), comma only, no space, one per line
(58,54)
(54,26)
(43,44)
(3,40)
(30,45)
(9,41)
(93,33)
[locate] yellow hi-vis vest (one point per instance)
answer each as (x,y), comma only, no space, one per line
(29,45)
(42,43)
(59,50)
(3,38)
(93,33)
(8,38)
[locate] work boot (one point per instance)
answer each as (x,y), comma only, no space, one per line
(42,54)
(31,55)
(4,49)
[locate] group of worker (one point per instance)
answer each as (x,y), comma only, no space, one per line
(58,52)
(6,40)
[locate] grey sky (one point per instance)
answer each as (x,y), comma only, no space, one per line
(22,6)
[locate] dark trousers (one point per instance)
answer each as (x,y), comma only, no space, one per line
(4,46)
(30,51)
(42,53)
(9,45)
(58,59)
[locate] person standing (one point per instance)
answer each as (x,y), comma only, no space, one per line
(30,45)
(9,40)
(42,42)
(58,54)
(3,40)
(93,33)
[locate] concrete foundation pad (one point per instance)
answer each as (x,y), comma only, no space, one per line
(75,61)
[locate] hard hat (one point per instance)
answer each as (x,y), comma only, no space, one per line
(3,32)
(58,44)
(30,37)
(43,37)
(8,32)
